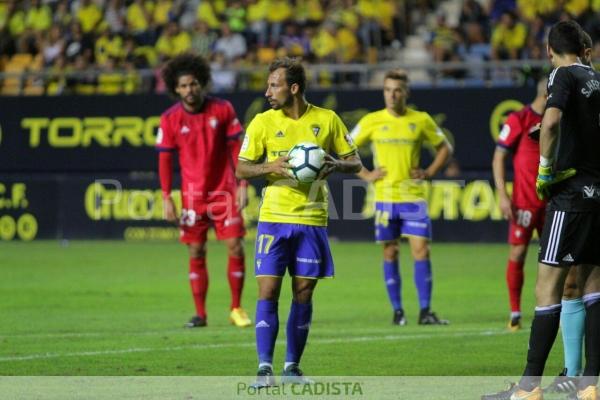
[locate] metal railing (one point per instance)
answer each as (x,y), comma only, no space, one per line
(320,76)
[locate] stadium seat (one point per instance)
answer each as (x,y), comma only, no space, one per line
(16,65)
(265,55)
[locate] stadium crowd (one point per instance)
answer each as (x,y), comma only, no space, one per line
(102,44)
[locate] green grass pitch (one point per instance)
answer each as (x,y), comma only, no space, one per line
(117,308)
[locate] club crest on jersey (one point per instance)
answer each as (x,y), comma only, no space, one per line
(315,129)
(412,127)
(213,122)
(184,130)
(279,134)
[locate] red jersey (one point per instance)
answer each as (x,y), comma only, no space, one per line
(526,155)
(208,144)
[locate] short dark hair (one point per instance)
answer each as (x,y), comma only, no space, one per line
(185,64)
(294,71)
(397,75)
(565,38)
(586,39)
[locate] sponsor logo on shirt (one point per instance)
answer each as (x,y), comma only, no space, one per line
(412,127)
(591,192)
(213,122)
(184,130)
(279,134)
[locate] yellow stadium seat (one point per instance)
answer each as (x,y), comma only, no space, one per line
(265,55)
(22,59)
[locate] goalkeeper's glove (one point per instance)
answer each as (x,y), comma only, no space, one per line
(546,178)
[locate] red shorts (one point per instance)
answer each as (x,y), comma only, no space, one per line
(524,222)
(194,223)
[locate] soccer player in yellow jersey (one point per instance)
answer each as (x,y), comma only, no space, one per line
(397,134)
(292,231)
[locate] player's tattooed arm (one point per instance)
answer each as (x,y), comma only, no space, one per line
(348,164)
(247,170)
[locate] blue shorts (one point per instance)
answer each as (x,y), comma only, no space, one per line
(302,249)
(393,220)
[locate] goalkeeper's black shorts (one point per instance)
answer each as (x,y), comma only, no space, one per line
(570,238)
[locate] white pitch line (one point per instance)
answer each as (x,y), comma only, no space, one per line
(212,331)
(252,344)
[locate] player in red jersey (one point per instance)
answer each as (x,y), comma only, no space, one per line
(524,211)
(206,134)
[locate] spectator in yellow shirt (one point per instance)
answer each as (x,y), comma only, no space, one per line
(278,13)
(172,41)
(38,17)
(256,16)
(88,15)
(108,45)
(348,47)
(206,13)
(369,30)
(576,8)
(139,21)
(309,12)
(343,13)
(162,12)
(443,40)
(3,15)
(324,44)
(16,19)
(528,9)
(508,37)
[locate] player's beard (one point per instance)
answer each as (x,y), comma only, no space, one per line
(275,105)
(193,101)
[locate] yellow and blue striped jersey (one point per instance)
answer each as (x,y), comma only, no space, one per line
(396,143)
(271,135)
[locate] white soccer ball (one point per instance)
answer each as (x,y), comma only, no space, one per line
(307,160)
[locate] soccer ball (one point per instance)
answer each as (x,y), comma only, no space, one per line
(307,160)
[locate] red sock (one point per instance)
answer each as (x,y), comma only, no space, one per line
(514,279)
(235,275)
(199,284)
